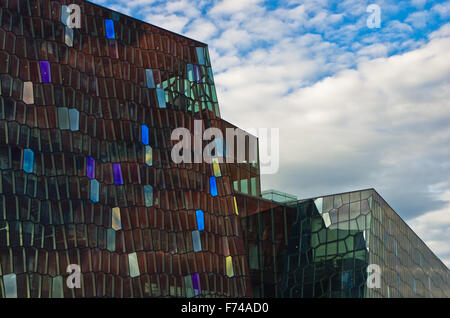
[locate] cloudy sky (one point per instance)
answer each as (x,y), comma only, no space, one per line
(357,107)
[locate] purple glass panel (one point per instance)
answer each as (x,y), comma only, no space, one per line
(90,168)
(196,284)
(45,71)
(118,179)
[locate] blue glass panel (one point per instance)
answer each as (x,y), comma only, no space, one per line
(144,134)
(150,79)
(200,55)
(74,118)
(95,189)
(148,195)
(109,25)
(200,220)
(196,241)
(213,186)
(220,147)
(65,14)
(161,97)
(190,72)
(28,160)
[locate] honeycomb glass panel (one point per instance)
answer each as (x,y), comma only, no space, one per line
(45,71)
(90,167)
(197,244)
(133,264)
(74,119)
(116,221)
(148,195)
(28,160)
(28,93)
(95,190)
(200,220)
(10,283)
(109,27)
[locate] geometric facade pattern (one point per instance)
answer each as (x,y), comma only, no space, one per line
(322,247)
(86,178)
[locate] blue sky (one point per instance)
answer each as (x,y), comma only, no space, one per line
(367,107)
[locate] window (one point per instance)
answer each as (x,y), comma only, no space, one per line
(63,118)
(200,55)
(133,265)
(253,184)
(111,240)
(161,97)
(196,241)
(190,72)
(109,27)
(197,74)
(28,95)
(144,134)
(116,222)
(68,36)
(74,119)
(95,189)
(148,195)
(45,71)
(28,160)
(347,279)
(188,280)
(244,186)
(118,178)
(10,283)
(213,186)
(90,167)
(150,78)
(148,156)
(57,287)
(216,167)
(196,284)
(220,147)
(200,220)
(229,266)
(65,14)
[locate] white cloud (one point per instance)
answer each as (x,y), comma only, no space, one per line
(434,227)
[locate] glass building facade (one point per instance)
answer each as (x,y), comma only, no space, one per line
(324,247)
(86,178)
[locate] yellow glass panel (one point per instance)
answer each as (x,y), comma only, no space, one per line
(229,266)
(235,206)
(116,221)
(216,167)
(148,155)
